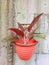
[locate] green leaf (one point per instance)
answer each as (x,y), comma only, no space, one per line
(42,36)
(6,40)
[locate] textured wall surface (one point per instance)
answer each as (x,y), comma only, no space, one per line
(23,11)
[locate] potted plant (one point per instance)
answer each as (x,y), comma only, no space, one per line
(24,41)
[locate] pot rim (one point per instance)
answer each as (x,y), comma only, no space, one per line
(25,45)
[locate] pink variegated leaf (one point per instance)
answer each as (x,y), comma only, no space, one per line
(17,31)
(20,26)
(32,32)
(34,22)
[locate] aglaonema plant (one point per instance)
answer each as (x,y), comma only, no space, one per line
(26,32)
(23,40)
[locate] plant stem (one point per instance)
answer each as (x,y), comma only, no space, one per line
(24,40)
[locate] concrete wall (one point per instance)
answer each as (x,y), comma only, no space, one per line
(12,11)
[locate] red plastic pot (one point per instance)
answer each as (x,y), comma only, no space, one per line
(25,51)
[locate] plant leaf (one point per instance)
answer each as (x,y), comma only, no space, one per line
(34,22)
(20,26)
(40,36)
(9,39)
(17,31)
(32,32)
(6,40)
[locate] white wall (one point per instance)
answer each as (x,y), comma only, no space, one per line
(25,10)
(44,6)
